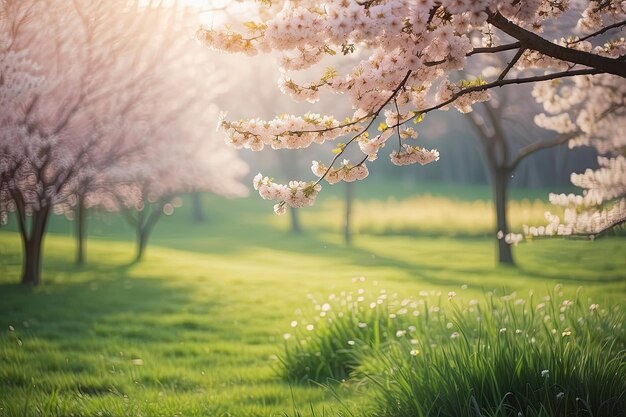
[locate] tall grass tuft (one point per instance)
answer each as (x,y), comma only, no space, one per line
(324,346)
(504,356)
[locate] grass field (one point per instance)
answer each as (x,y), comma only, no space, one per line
(195,329)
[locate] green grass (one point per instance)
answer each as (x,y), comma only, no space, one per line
(196,328)
(427,215)
(508,354)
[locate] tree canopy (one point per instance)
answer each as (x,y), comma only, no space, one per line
(409,58)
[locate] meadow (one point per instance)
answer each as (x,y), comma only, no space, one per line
(204,325)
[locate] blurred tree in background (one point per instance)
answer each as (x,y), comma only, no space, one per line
(96,103)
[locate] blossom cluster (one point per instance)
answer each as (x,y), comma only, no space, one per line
(597,12)
(371,146)
(462,102)
(511,238)
(285,131)
(589,222)
(412,154)
(602,206)
(592,106)
(592,110)
(561,123)
(346,172)
(604,184)
(296,194)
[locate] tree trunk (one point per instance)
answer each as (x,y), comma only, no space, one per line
(145,226)
(295,221)
(500,184)
(31,269)
(81,218)
(142,240)
(198,213)
(347,228)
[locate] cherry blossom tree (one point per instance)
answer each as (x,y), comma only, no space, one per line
(172,77)
(103,65)
(54,128)
(182,157)
(39,154)
(120,143)
(410,55)
(181,160)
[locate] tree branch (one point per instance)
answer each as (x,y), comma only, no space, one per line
(599,32)
(511,64)
(155,214)
(540,145)
(535,42)
(124,211)
(482,50)
(484,138)
(498,137)
(501,83)
(374,115)
(494,49)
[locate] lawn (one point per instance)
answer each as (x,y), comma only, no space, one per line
(196,328)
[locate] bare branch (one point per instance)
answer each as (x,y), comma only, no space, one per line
(511,64)
(540,145)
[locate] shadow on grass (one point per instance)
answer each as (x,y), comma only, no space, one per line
(91,302)
(585,262)
(101,331)
(437,260)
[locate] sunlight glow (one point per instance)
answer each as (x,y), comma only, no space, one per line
(213,12)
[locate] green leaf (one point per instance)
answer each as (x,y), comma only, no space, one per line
(419,117)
